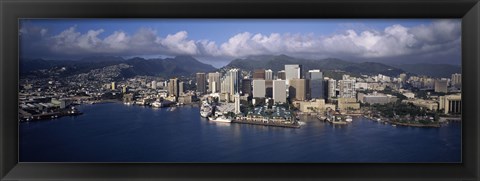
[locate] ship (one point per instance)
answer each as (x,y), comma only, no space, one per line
(206,110)
(221,119)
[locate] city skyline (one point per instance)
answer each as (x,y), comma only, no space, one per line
(217,42)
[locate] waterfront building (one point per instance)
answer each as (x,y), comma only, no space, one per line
(451,104)
(348,103)
(281,75)
(293,71)
(297,89)
(128,98)
(173,87)
(185,99)
(441,86)
(315,80)
(201,83)
(268,74)
(259,74)
(312,106)
(246,87)
(259,88)
(214,82)
(279,91)
(347,88)
(456,80)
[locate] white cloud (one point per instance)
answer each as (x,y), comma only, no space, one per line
(395,40)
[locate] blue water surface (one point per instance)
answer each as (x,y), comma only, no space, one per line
(119,133)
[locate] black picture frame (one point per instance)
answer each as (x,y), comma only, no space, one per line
(10,11)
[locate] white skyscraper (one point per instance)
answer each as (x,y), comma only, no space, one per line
(293,72)
(214,78)
(332,88)
(279,91)
(231,82)
(259,89)
(268,74)
(234,81)
(347,88)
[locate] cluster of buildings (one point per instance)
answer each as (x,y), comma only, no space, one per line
(312,92)
(307,90)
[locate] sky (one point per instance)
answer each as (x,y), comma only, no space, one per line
(218,41)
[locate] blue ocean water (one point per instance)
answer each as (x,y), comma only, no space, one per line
(119,133)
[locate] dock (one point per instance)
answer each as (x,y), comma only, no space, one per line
(269,123)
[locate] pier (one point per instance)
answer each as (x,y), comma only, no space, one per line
(268,123)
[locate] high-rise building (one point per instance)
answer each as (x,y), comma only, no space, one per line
(153,84)
(268,74)
(279,91)
(281,75)
(269,88)
(297,89)
(293,72)
(246,87)
(214,84)
(237,103)
(201,83)
(231,82)
(316,90)
(235,79)
(441,86)
(173,87)
(456,80)
(347,88)
(113,86)
(332,88)
(214,78)
(259,88)
(259,74)
(180,88)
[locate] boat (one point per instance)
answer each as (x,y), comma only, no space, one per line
(222,119)
(157,104)
(348,119)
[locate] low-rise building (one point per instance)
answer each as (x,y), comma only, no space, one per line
(348,103)
(315,105)
(427,104)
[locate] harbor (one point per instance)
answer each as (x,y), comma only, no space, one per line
(159,135)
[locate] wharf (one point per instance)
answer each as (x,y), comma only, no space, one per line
(285,125)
